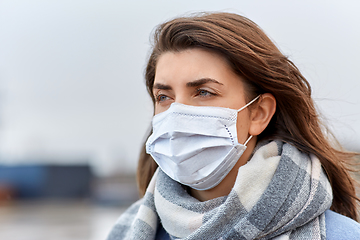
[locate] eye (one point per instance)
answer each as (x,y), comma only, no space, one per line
(161,98)
(204,93)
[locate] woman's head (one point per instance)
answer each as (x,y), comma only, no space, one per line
(263,69)
(250,54)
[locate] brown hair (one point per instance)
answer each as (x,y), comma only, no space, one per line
(252,55)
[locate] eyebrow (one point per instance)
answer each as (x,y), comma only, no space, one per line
(195,83)
(202,81)
(161,86)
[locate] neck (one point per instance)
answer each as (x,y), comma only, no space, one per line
(225,186)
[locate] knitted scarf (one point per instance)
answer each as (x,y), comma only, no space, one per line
(281,193)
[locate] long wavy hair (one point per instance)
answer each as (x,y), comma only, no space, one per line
(252,55)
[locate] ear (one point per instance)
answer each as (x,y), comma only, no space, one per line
(262,113)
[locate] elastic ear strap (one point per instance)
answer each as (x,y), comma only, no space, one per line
(249,103)
(248,140)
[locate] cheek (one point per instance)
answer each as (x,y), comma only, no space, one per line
(242,128)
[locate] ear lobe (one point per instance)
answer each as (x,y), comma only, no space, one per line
(262,114)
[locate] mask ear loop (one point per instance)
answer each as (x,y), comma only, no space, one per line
(249,103)
(246,142)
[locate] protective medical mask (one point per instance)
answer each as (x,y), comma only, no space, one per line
(195,145)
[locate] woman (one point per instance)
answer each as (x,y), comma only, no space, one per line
(240,147)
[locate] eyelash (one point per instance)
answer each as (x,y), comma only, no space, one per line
(198,93)
(157,97)
(209,94)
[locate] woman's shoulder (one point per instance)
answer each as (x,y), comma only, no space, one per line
(341,227)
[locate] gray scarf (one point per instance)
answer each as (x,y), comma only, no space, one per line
(281,193)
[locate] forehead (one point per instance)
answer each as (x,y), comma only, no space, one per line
(189,65)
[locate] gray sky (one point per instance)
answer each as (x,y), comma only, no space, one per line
(71,72)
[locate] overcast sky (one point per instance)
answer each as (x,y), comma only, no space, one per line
(71,71)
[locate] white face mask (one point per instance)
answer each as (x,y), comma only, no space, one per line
(196,146)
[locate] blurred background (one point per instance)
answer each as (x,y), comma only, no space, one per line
(74,109)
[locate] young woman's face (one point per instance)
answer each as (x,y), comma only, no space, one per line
(200,78)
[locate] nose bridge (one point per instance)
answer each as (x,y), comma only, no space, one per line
(182,99)
(182,96)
